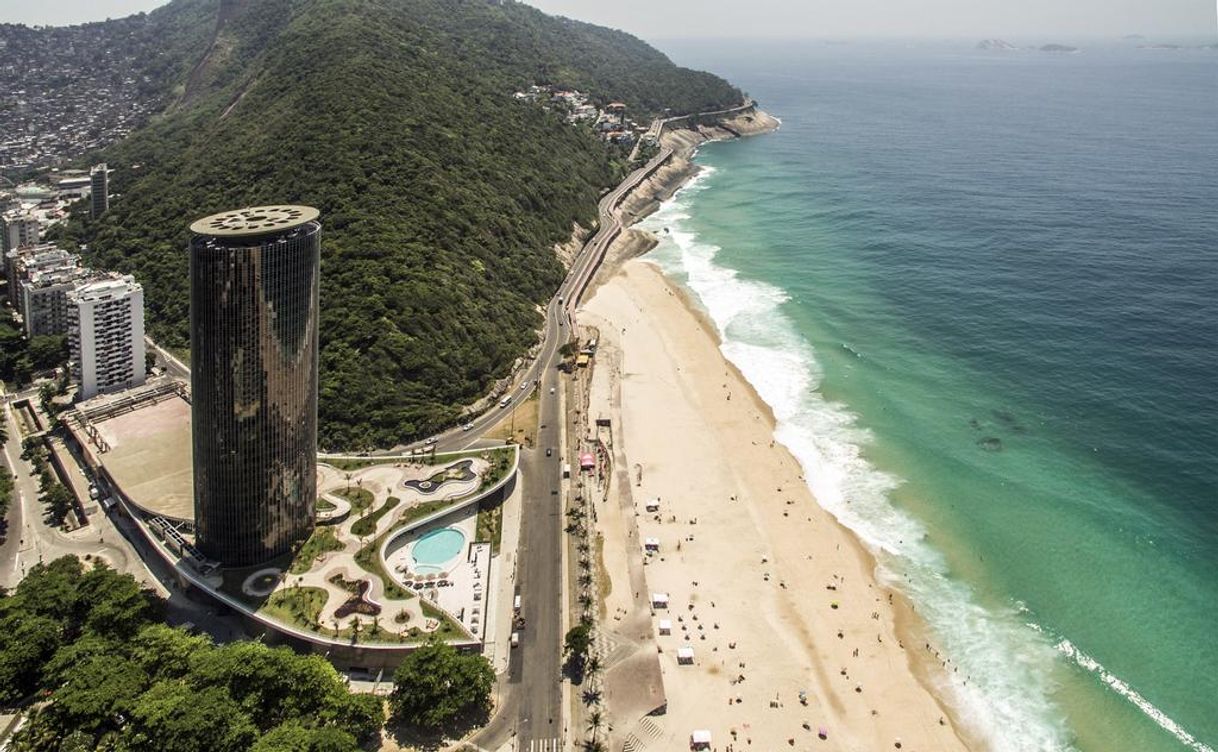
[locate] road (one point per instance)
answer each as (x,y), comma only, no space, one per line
(531,704)
(169,362)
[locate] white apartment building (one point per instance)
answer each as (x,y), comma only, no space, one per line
(106,334)
(44,299)
(17,229)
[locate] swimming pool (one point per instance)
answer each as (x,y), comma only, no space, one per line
(438,546)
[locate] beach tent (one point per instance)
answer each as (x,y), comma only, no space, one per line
(651,544)
(659,600)
(653,505)
(685,655)
(700,739)
(665,626)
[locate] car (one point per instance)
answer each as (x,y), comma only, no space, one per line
(524,386)
(551,390)
(467,427)
(505,401)
(549,451)
(430,441)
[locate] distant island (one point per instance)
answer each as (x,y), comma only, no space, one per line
(1001,45)
(995,44)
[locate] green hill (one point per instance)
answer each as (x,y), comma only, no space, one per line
(441,196)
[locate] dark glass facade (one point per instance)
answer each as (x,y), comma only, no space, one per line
(253,350)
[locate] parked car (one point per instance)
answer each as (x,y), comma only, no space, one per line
(430,441)
(467,427)
(549,451)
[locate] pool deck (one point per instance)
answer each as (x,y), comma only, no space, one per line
(468,573)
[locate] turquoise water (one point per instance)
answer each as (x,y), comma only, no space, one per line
(437,547)
(980,292)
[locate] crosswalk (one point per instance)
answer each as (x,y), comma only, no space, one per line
(544,745)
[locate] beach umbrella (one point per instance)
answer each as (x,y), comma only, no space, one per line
(822,732)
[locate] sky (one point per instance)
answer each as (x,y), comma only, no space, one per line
(667,19)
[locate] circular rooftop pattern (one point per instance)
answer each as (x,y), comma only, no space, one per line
(254,220)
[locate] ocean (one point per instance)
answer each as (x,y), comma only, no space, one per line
(980,292)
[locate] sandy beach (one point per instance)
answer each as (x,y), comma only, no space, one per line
(774,597)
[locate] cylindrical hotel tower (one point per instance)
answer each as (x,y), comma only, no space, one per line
(253,364)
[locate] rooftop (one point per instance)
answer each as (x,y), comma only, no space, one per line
(254,220)
(105,287)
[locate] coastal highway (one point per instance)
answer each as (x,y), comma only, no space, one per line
(530,707)
(559,315)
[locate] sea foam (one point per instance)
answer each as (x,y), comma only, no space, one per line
(1002,671)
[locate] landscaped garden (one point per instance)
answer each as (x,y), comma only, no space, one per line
(366,525)
(323,540)
(336,584)
(360,498)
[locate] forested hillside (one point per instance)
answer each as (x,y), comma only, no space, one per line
(441,195)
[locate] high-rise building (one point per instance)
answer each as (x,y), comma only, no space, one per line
(106,334)
(42,276)
(253,362)
(21,262)
(17,229)
(99,190)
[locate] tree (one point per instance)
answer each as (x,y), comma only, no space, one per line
(95,693)
(436,684)
(295,737)
(164,652)
(174,717)
(59,502)
(578,640)
(6,488)
(115,679)
(26,642)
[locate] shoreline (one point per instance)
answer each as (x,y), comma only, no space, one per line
(919,670)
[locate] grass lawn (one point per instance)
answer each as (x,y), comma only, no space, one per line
(298,606)
(322,540)
(323,505)
(348,466)
(360,498)
(519,424)
(419,511)
(448,627)
(366,525)
(490,524)
(370,562)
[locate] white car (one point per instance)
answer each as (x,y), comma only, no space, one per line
(467,427)
(524,386)
(430,441)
